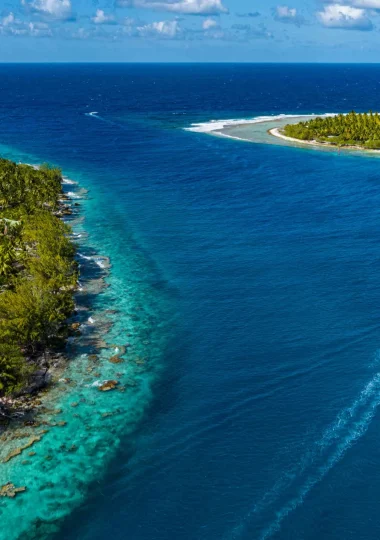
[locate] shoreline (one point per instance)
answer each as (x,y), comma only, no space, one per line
(51,363)
(37,405)
(48,360)
(275,132)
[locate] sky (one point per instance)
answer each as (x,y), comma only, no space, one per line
(189,31)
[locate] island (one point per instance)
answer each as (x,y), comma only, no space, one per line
(352,130)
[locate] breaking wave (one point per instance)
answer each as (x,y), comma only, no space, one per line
(218,125)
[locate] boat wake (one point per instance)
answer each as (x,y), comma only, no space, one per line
(95,114)
(290,490)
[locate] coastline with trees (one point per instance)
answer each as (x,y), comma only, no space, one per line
(82,373)
(352,130)
(38,277)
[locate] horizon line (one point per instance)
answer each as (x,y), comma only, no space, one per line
(185,62)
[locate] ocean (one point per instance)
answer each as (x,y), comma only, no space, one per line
(246,278)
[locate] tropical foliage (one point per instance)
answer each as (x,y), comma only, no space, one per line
(352,129)
(38,273)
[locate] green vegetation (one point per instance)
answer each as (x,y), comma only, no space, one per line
(353,129)
(38,273)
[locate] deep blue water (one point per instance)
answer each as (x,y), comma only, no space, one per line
(264,422)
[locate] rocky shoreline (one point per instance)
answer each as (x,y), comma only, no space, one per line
(25,416)
(22,405)
(22,408)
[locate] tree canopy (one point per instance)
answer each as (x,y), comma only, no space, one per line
(38,272)
(353,129)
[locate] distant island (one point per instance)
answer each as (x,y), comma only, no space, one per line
(350,131)
(355,130)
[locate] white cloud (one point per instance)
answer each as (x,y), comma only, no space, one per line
(189,7)
(8,19)
(211,30)
(345,17)
(288,15)
(39,29)
(163,29)
(209,23)
(364,4)
(100,17)
(56,9)
(285,12)
(10,26)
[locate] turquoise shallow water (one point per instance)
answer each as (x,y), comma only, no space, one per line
(120,314)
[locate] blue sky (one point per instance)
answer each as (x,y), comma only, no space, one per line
(189,31)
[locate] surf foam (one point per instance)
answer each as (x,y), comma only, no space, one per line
(218,125)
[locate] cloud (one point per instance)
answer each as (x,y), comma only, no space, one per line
(210,30)
(8,19)
(100,17)
(55,9)
(39,29)
(161,29)
(209,23)
(363,4)
(189,7)
(344,17)
(288,15)
(106,26)
(11,26)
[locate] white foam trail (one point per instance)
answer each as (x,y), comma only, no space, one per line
(73,195)
(356,431)
(217,125)
(100,262)
(350,424)
(67,181)
(96,384)
(97,260)
(84,256)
